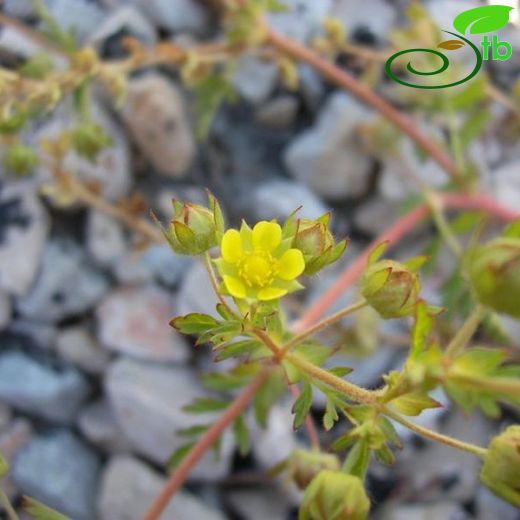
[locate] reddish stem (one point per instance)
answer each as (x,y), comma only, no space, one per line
(204,444)
(392,236)
(347,82)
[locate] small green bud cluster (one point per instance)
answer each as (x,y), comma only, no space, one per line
(20,159)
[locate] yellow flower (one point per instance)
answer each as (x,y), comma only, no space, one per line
(259,263)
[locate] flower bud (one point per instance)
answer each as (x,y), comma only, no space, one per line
(501,469)
(89,139)
(391,288)
(316,242)
(20,159)
(335,496)
(194,229)
(494,273)
(305,465)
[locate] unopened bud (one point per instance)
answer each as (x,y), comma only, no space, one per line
(88,139)
(20,159)
(306,465)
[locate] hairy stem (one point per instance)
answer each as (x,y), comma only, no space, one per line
(465,333)
(436,436)
(324,323)
(207,440)
(354,392)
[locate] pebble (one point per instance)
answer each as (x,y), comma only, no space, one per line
(278,113)
(259,503)
(177,15)
(105,239)
(135,321)
(327,157)
(67,284)
(445,510)
(36,388)
(278,198)
(129,486)
(147,400)
(61,471)
(24,226)
(376,215)
(111,171)
(125,20)
(98,424)
(76,345)
(489,506)
(255,79)
(155,115)
(505,184)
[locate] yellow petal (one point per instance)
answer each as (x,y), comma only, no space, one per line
(231,246)
(267,236)
(271,293)
(291,265)
(235,287)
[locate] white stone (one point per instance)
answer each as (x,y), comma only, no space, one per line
(505,183)
(279,112)
(155,114)
(147,400)
(135,321)
(24,226)
(105,238)
(255,79)
(328,157)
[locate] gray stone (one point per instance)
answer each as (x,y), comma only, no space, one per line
(301,20)
(5,416)
(147,400)
(105,238)
(98,424)
(354,15)
(312,87)
(327,157)
(376,215)
(38,389)
(39,334)
(61,471)
(76,345)
(5,310)
(255,79)
(111,169)
(81,15)
(196,293)
(23,232)
(505,184)
(489,506)
(18,8)
(445,510)
(155,114)
(67,284)
(278,198)
(128,20)
(135,321)
(129,486)
(176,15)
(279,112)
(259,503)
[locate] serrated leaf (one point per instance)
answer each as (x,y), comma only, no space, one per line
(222,382)
(194,323)
(451,45)
(192,431)
(302,405)
(222,333)
(240,348)
(330,416)
(385,455)
(340,371)
(178,455)
(205,404)
(421,329)
(413,403)
(242,437)
(484,19)
(39,511)
(358,459)
(266,397)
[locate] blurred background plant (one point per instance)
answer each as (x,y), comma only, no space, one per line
(100,107)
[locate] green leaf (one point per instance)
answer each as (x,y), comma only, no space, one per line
(331,414)
(484,19)
(40,511)
(376,253)
(52,31)
(473,93)
(205,404)
(413,403)
(194,323)
(178,455)
(222,382)
(340,371)
(421,329)
(242,437)
(385,455)
(358,459)
(239,348)
(302,405)
(220,334)
(474,126)
(267,396)
(513,230)
(193,431)
(4,466)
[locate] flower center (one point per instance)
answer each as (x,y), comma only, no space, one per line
(257,269)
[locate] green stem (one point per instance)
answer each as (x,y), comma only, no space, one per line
(461,339)
(6,503)
(324,323)
(214,284)
(354,392)
(436,436)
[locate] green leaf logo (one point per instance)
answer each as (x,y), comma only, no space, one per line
(483,19)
